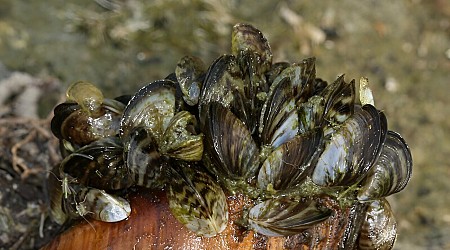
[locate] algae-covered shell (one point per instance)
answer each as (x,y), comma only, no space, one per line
(180,139)
(190,72)
(196,200)
(152,107)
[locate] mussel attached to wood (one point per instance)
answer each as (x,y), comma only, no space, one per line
(284,216)
(302,158)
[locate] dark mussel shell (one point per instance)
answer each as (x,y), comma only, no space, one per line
(254,56)
(352,149)
(146,165)
(189,72)
(247,39)
(289,164)
(340,101)
(99,164)
(223,84)
(391,172)
(379,229)
(74,125)
(233,152)
(285,216)
(279,116)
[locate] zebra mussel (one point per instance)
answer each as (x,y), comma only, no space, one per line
(273,132)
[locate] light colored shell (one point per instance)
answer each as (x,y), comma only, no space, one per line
(179,139)
(197,201)
(152,107)
(102,206)
(86,95)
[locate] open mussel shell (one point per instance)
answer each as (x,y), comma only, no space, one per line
(289,164)
(196,200)
(284,216)
(233,152)
(379,229)
(352,149)
(152,108)
(99,164)
(144,162)
(279,117)
(180,139)
(391,172)
(189,73)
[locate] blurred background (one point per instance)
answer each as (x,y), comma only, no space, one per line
(402,46)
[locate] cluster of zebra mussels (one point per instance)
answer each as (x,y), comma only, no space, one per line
(272,132)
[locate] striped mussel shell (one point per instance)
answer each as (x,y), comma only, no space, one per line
(352,148)
(391,171)
(153,132)
(196,199)
(99,164)
(272,132)
(71,200)
(379,229)
(285,216)
(190,72)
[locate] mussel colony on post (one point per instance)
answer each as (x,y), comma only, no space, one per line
(271,132)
